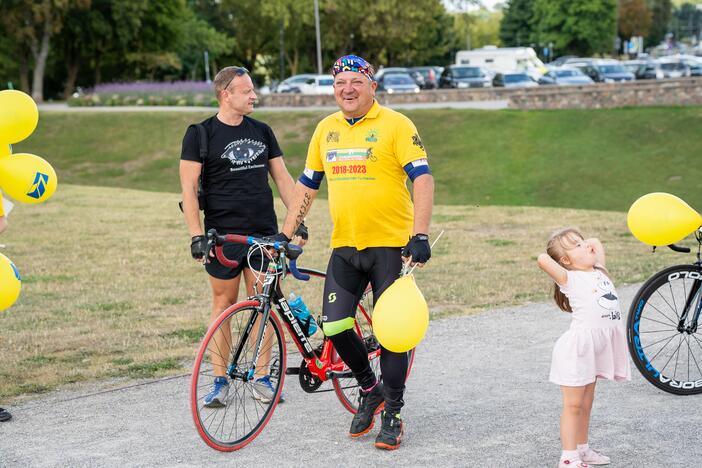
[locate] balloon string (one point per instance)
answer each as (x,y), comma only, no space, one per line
(405,266)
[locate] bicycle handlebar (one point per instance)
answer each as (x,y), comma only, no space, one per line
(677,248)
(217,241)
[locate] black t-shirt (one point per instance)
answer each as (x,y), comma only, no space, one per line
(235,180)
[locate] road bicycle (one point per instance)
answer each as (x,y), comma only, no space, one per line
(237,347)
(662,330)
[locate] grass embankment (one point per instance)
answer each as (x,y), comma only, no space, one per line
(109,289)
(595,159)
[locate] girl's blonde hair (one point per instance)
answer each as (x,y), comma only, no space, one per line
(558,243)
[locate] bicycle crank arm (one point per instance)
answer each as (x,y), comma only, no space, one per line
(292,371)
(339,375)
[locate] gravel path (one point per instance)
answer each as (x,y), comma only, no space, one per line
(478,396)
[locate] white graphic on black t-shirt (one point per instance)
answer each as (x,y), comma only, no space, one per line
(244,151)
(608,301)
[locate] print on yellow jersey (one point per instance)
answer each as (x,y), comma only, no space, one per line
(369,202)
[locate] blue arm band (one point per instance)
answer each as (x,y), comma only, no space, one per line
(311,179)
(417,168)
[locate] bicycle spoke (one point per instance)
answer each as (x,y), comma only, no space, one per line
(658,321)
(668,304)
(671,356)
(664,346)
(660,312)
(656,342)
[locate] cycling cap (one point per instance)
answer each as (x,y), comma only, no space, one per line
(353,63)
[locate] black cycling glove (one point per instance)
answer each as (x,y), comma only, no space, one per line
(280,237)
(198,247)
(302,231)
(418,248)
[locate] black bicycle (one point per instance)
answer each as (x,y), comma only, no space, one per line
(664,338)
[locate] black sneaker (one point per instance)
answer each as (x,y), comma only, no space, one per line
(390,434)
(368,403)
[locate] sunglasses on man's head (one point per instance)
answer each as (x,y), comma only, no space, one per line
(238,71)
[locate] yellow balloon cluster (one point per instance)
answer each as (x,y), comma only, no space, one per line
(24,177)
(662,219)
(401,316)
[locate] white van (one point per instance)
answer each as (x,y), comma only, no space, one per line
(503,59)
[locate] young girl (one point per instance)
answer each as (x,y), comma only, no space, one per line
(594,346)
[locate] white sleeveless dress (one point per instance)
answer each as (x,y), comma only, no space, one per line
(595,344)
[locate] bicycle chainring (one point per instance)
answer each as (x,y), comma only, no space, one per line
(308,382)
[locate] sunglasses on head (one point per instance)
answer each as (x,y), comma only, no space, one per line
(238,71)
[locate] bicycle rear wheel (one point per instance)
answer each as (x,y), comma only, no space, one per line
(246,408)
(347,388)
(667,350)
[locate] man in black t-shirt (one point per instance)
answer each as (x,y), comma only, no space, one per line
(238,200)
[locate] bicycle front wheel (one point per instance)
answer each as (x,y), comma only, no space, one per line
(664,340)
(232,410)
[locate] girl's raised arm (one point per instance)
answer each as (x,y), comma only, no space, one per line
(554,270)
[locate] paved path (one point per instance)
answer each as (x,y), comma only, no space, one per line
(62,107)
(478,397)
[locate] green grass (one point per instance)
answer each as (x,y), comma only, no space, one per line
(593,159)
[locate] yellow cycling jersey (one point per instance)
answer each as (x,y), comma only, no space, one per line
(364,163)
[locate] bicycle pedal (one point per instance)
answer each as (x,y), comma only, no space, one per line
(292,371)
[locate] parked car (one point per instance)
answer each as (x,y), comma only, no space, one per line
(604,71)
(666,68)
(514,80)
(563,76)
(430,75)
(560,61)
(319,84)
(695,64)
(416,76)
(395,83)
(637,67)
(291,84)
(464,76)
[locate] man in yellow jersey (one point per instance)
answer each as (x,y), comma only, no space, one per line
(366,152)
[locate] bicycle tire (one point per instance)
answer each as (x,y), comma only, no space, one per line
(219,427)
(652,326)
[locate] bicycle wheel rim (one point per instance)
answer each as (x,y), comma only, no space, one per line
(238,423)
(668,358)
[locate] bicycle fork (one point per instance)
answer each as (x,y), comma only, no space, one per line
(246,375)
(694,292)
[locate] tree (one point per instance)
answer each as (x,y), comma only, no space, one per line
(32,24)
(662,11)
(517,22)
(582,28)
(634,18)
(687,20)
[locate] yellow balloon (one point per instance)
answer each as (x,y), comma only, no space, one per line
(401,316)
(10,283)
(18,116)
(661,219)
(5,150)
(27,178)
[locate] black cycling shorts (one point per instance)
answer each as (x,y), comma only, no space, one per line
(236,252)
(348,274)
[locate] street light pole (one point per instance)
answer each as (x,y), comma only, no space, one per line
(319,40)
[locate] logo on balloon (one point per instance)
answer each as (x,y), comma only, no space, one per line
(39,185)
(17,274)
